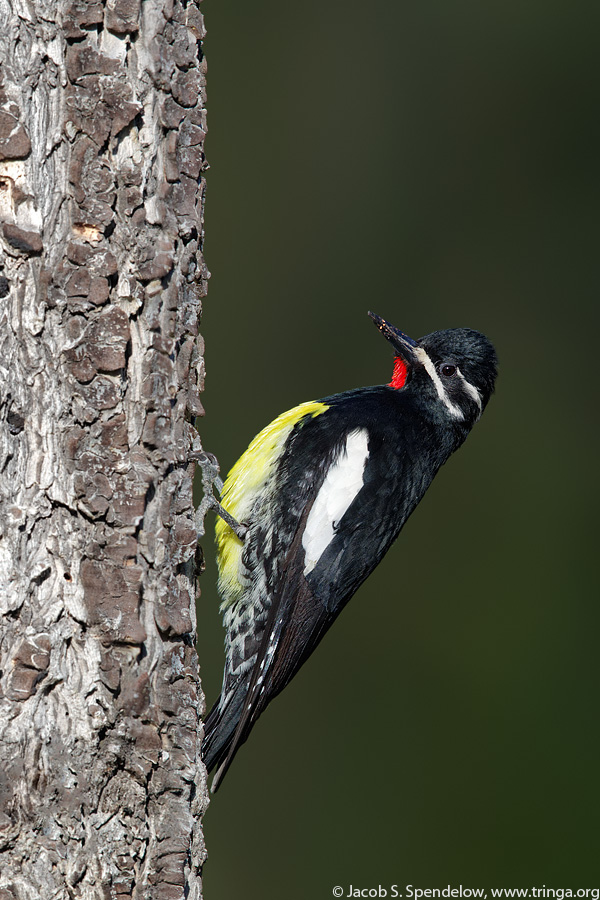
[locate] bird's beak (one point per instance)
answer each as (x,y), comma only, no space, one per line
(402,344)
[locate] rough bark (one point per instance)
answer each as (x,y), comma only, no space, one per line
(101,274)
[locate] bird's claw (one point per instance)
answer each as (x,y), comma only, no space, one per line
(211,479)
(209,464)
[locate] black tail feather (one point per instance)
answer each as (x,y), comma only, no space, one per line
(219,729)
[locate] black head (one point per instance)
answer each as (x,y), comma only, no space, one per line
(453,370)
(463,351)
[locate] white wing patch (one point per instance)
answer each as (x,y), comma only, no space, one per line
(342,483)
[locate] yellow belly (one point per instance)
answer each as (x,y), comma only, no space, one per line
(246,480)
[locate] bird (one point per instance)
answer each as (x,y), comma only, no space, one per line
(316,501)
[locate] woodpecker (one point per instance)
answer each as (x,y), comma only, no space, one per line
(316,501)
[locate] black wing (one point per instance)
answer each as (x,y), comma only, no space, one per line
(304,606)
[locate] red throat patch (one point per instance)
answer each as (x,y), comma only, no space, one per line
(400,372)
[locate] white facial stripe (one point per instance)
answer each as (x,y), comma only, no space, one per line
(454,410)
(342,483)
(471,390)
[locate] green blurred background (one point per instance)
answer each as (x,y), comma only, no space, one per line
(437,163)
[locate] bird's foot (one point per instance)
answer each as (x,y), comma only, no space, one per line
(211,479)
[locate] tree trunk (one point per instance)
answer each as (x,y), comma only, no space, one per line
(101,151)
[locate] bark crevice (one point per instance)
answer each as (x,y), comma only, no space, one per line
(102,123)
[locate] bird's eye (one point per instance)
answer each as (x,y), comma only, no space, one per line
(447,370)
